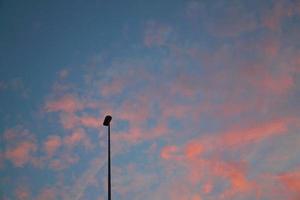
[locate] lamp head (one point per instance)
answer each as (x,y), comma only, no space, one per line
(107,120)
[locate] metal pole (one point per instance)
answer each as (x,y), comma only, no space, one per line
(106,122)
(109,171)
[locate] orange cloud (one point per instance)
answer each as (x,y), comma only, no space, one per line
(193,149)
(292,181)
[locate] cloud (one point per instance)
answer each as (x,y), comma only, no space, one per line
(194,9)
(231,20)
(116,86)
(20,146)
(156,34)
(64,73)
(47,194)
(68,103)
(207,188)
(52,144)
(63,161)
(69,120)
(210,105)
(89,121)
(22,193)
(169,152)
(291,180)
(84,180)
(131,181)
(78,136)
(193,149)
(204,159)
(20,154)
(236,138)
(273,17)
(222,19)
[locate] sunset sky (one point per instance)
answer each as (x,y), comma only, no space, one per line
(204,95)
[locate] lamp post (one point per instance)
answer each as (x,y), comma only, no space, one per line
(106,122)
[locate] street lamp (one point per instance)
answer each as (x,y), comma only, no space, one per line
(106,122)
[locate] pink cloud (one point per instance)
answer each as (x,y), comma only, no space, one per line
(270,81)
(88,121)
(21,154)
(196,197)
(194,157)
(169,152)
(137,133)
(114,87)
(207,188)
(68,103)
(22,193)
(291,181)
(181,190)
(138,181)
(193,149)
(186,85)
(228,86)
(20,146)
(52,144)
(273,18)
(69,120)
(232,139)
(240,137)
(235,174)
(137,112)
(47,194)
(65,160)
(78,136)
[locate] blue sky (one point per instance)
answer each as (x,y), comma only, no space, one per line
(204,97)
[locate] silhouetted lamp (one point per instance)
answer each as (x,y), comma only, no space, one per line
(106,122)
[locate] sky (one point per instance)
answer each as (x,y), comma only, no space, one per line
(204,97)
